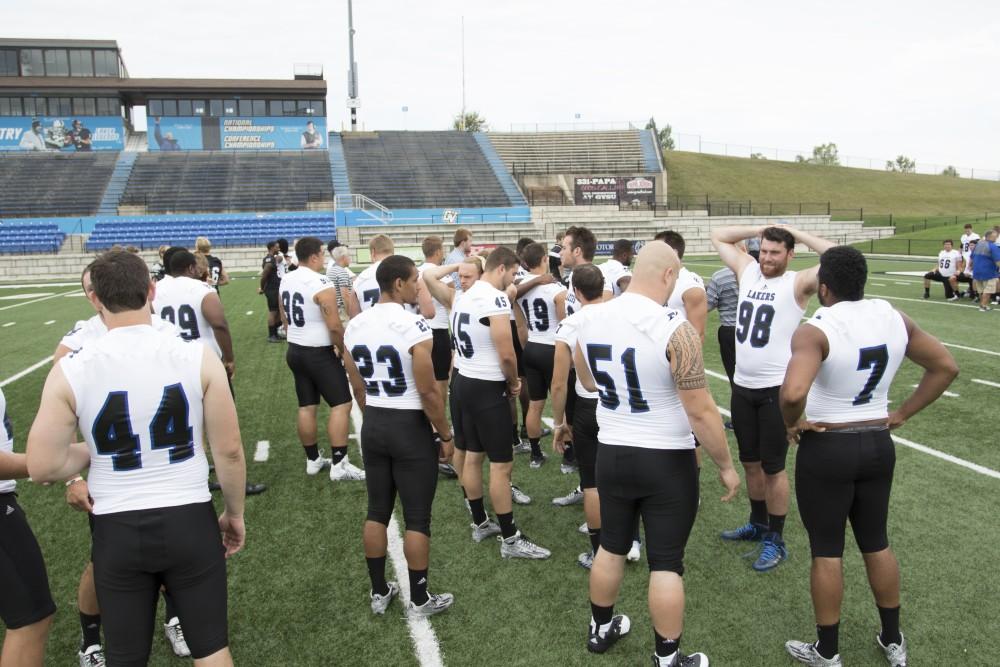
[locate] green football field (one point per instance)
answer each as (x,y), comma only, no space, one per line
(299,590)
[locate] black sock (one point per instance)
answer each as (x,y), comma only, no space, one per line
(168,602)
(91,628)
(376,572)
(272,331)
(758,512)
(569,456)
(666,647)
(595,538)
(517,438)
(478,511)
(418,587)
(890,625)
(601,615)
(776,523)
(507,527)
(338,454)
(829,640)
(536,449)
(312,451)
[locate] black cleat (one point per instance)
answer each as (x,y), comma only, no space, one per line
(620,626)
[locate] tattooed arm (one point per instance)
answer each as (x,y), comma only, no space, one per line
(688,370)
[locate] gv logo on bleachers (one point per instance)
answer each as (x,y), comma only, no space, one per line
(450,216)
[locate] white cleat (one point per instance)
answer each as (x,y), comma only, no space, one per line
(808,655)
(585,560)
(634,552)
(435,605)
(345,472)
(583,529)
(486,529)
(92,656)
(175,635)
(381,602)
(894,653)
(574,497)
(519,546)
(314,467)
(519,496)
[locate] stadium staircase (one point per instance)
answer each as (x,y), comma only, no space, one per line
(338,165)
(116,186)
(53,184)
(651,151)
(503,176)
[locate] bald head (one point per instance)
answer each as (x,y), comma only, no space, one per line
(655,271)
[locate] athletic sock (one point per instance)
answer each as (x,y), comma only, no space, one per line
(168,602)
(507,526)
(536,449)
(829,640)
(517,439)
(665,648)
(601,615)
(90,625)
(376,572)
(312,451)
(478,511)
(595,538)
(338,454)
(776,523)
(927,292)
(569,456)
(758,512)
(418,587)
(890,625)
(272,331)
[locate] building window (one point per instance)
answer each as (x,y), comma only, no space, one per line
(81,62)
(154,108)
(31,62)
(215,108)
(89,108)
(169,107)
(56,62)
(275,107)
(245,107)
(198,107)
(4,106)
(230,107)
(289,106)
(319,109)
(8,62)
(105,62)
(184,108)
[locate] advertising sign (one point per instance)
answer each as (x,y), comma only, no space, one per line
(606,247)
(62,133)
(614,189)
(236,133)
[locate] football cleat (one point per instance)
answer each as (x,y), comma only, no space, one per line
(345,472)
(485,529)
(678,660)
(574,497)
(435,605)
(519,496)
(519,546)
(175,636)
(634,552)
(568,468)
(772,553)
(750,532)
(598,643)
(522,447)
(537,461)
(585,560)
(583,529)
(807,654)
(381,602)
(92,656)
(894,653)
(447,470)
(313,467)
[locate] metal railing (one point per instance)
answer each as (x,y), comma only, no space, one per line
(367,205)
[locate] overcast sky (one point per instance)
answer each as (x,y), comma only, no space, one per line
(878,77)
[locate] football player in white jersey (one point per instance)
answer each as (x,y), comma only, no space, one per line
(965,271)
(26,605)
(578,247)
(689,295)
(843,362)
(317,360)
(616,270)
(945,271)
(544,307)
(393,353)
(589,287)
(366,292)
(645,362)
(269,282)
(968,237)
(145,402)
(771,303)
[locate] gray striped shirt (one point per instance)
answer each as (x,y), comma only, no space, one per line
(341,277)
(724,294)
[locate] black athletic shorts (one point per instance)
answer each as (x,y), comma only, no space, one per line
(272,300)
(134,553)
(571,396)
(318,372)
(841,476)
(24,585)
(538,361)
(585,440)
(441,354)
(518,350)
(400,455)
(727,348)
(759,426)
(661,486)
(480,417)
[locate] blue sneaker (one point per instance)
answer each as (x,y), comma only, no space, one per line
(750,532)
(772,553)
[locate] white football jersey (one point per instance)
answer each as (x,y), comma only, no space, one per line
(766,318)
(280,265)
(179,302)
(306,325)
(366,287)
(967,266)
(948,262)
(380,340)
(139,404)
(625,343)
(440,319)
(539,308)
(91,329)
(966,239)
(6,442)
(867,342)
(614,271)
(685,280)
(567,333)
(475,355)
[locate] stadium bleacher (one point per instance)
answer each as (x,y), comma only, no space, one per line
(29,237)
(224,231)
(217,181)
(601,152)
(53,184)
(421,170)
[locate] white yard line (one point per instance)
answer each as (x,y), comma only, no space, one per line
(26,371)
(44,298)
(50,322)
(9,324)
(933,303)
(425,642)
(877,285)
(262,452)
(249,312)
(37,285)
(949,394)
(987,383)
(971,349)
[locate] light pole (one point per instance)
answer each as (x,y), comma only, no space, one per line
(352,74)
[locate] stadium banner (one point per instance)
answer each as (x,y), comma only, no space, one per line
(61,133)
(613,189)
(236,133)
(604,248)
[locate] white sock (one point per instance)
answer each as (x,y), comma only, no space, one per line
(602,630)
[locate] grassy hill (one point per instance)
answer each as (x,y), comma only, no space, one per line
(909,197)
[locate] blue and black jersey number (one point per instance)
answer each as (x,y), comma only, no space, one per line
(385,354)
(169,429)
(460,338)
(371,296)
(607,389)
(540,310)
(755,326)
(185,318)
(293,303)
